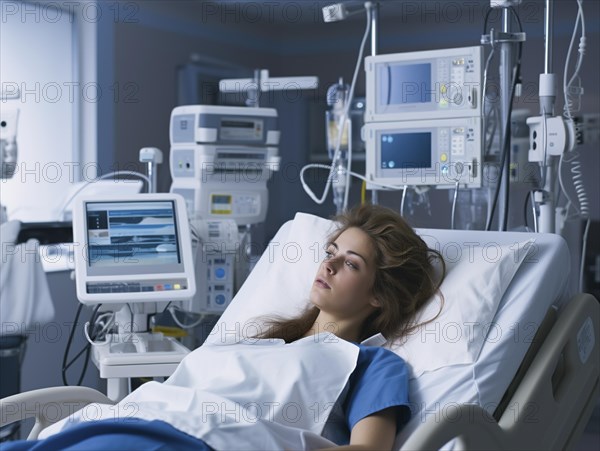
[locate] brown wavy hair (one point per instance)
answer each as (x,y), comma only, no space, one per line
(405,277)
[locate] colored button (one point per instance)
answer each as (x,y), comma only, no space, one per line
(220,299)
(220,273)
(158,287)
(167,286)
(444,157)
(177,286)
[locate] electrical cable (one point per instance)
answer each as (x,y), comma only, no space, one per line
(525,206)
(578,183)
(105,176)
(505,150)
(484,97)
(583,252)
(506,133)
(68,348)
(66,365)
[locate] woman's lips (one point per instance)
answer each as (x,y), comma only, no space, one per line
(321,283)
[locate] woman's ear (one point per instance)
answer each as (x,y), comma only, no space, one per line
(375,302)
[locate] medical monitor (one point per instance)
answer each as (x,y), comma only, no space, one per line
(434,153)
(422,85)
(134,248)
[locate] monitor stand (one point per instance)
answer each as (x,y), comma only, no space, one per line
(135,354)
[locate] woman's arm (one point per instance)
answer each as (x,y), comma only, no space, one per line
(375,432)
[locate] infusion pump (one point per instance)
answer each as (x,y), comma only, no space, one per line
(423,121)
(423,85)
(441,153)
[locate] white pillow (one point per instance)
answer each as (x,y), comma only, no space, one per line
(477,277)
(280,282)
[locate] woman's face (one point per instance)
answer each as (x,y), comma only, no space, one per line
(344,283)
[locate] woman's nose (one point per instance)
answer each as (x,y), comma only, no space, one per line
(330,266)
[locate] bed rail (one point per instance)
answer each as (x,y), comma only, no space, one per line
(47,405)
(553,403)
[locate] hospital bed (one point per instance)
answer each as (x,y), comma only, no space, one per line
(511,362)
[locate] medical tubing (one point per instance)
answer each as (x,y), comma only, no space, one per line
(454,206)
(102,332)
(582,198)
(347,175)
(358,176)
(536,226)
(341,126)
(403,199)
(105,176)
(582,43)
(172,309)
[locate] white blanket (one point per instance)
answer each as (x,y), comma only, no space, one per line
(256,394)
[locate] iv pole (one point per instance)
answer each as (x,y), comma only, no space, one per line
(506,39)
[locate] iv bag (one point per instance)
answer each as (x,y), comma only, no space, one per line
(337,98)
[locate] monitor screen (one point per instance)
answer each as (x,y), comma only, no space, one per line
(403,84)
(134,248)
(405,150)
(132,237)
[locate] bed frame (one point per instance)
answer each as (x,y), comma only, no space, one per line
(549,407)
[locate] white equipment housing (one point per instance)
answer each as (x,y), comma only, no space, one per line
(423,122)
(440,152)
(217,263)
(424,85)
(134,248)
(221,158)
(133,252)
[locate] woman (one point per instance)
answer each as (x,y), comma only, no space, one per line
(308,383)
(377,274)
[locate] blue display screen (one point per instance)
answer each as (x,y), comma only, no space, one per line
(405,83)
(132,234)
(405,150)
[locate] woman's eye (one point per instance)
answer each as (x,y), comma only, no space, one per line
(351,265)
(328,255)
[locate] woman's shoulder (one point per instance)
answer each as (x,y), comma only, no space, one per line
(379,355)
